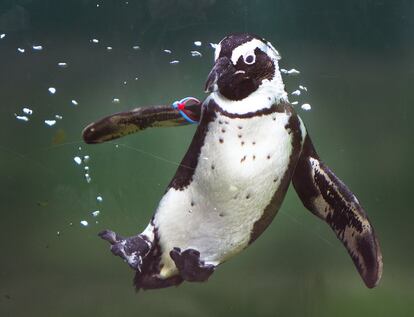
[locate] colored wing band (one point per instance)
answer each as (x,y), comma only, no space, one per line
(180,106)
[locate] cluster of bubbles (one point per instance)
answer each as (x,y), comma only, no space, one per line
(26,113)
(83,161)
(300,91)
(193,53)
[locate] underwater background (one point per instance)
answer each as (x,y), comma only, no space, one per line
(81,60)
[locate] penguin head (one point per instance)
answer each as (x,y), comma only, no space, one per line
(244,63)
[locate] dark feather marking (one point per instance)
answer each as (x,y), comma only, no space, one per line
(280,108)
(342,217)
(147,278)
(340,210)
(263,68)
(185,171)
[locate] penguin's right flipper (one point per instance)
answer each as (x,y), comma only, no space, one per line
(326,196)
(128,122)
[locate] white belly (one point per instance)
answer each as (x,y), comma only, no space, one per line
(240,167)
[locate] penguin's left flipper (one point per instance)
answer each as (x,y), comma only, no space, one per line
(326,196)
(124,123)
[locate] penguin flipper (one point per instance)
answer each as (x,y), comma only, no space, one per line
(326,196)
(124,123)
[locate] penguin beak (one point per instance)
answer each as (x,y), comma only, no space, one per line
(223,69)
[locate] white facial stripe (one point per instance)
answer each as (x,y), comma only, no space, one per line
(217,51)
(249,47)
(275,50)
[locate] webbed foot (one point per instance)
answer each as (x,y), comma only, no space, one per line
(190,266)
(132,250)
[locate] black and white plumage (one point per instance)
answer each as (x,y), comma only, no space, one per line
(249,145)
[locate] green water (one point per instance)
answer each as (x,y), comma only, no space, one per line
(355,58)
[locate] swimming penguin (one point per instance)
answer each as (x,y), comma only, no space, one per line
(248,147)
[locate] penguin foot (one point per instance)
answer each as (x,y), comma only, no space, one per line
(132,250)
(191,268)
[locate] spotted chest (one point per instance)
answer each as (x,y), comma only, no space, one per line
(240,167)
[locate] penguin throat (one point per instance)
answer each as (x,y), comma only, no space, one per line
(270,92)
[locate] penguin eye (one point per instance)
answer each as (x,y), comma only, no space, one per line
(249,59)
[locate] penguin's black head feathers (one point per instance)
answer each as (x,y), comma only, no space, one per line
(242,63)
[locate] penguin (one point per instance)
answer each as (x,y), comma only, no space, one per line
(249,145)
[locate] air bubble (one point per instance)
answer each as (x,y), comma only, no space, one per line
(37,47)
(196,54)
(306,106)
(292,71)
(136,47)
(52,90)
(77,160)
(88,178)
(95,41)
(109,48)
(198,43)
(74,102)
(59,117)
(167,51)
(62,64)
(96,213)
(2,36)
(27,111)
(50,122)
(303,88)
(84,223)
(174,62)
(115,100)
(99,199)
(21,50)
(86,158)
(296,92)
(22,118)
